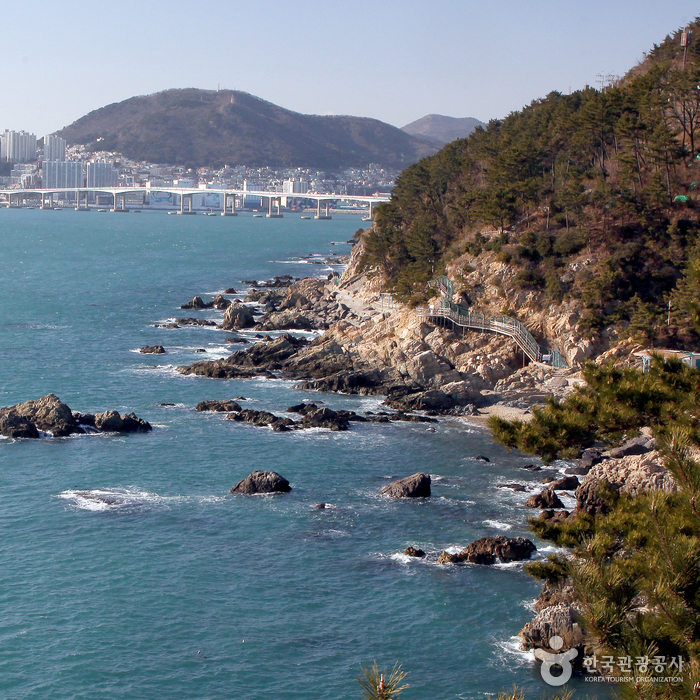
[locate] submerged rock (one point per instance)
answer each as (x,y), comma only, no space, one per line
(262,482)
(262,418)
(414,486)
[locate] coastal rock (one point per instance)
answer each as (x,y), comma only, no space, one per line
(561,592)
(561,620)
(325,418)
(285,320)
(238,316)
(565,483)
(220,406)
(223,369)
(48,413)
(262,482)
(514,487)
(197,303)
(195,322)
(152,349)
(414,486)
(633,474)
(545,499)
(15,426)
(635,446)
(488,550)
(113,422)
(414,552)
(262,418)
(220,302)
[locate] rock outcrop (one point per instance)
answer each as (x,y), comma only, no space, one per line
(561,619)
(238,316)
(262,482)
(414,486)
(50,415)
(218,405)
(489,550)
(152,350)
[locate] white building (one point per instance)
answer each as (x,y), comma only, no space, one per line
(18,147)
(62,174)
(295,187)
(101,174)
(54,148)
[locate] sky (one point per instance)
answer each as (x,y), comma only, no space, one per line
(393,60)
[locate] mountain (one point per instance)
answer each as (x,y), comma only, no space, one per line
(212,128)
(441,129)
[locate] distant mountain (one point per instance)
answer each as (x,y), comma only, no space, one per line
(441,129)
(212,128)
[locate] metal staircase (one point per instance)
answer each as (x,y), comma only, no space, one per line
(504,325)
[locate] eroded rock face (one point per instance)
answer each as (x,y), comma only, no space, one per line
(560,619)
(414,486)
(15,426)
(262,482)
(489,550)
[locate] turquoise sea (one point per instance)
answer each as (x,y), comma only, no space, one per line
(177,590)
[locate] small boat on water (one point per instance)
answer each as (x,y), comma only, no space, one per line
(305,217)
(171,213)
(257,216)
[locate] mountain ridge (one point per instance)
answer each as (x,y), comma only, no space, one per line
(196,128)
(441,129)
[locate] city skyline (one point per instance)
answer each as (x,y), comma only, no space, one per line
(392,61)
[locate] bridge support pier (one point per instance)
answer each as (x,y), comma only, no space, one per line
(78,198)
(229,198)
(186,204)
(274,210)
(119,203)
(327,214)
(47,200)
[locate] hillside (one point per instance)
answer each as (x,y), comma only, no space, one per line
(435,127)
(212,128)
(578,214)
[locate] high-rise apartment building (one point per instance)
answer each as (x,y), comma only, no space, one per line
(62,173)
(102,174)
(54,148)
(18,147)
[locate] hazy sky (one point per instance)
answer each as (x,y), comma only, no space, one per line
(394,60)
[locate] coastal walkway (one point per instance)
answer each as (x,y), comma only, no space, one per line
(463,317)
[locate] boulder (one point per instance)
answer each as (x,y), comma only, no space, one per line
(220,406)
(414,552)
(220,302)
(229,290)
(190,321)
(152,349)
(589,457)
(565,483)
(262,482)
(113,422)
(635,446)
(414,486)
(547,498)
(488,550)
(238,316)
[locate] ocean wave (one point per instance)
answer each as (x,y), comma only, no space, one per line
(497,524)
(127,499)
(509,652)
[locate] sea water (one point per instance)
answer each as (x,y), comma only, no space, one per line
(127,571)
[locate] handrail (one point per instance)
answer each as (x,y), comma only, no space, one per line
(504,325)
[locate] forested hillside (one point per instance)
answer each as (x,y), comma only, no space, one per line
(589,198)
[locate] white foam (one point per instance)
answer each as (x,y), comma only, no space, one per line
(510,649)
(497,524)
(402,558)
